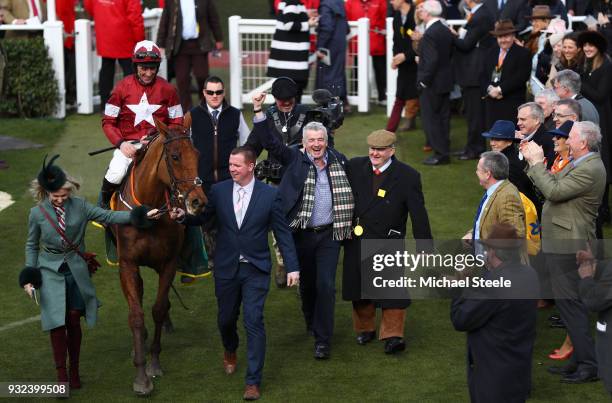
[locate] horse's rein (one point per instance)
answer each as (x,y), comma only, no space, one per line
(175,194)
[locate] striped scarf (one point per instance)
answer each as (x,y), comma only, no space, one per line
(342,196)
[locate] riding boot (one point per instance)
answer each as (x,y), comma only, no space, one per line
(59,346)
(106,193)
(74,347)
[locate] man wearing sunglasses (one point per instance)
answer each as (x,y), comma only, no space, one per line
(216,129)
(128,115)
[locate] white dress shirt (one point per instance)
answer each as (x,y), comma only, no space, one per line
(190,25)
(247,199)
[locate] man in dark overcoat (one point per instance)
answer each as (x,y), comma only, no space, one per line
(472,44)
(500,322)
(386,191)
(507,68)
(435,80)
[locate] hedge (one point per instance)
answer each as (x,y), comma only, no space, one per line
(30,86)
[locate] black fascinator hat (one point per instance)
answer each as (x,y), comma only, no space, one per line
(51,177)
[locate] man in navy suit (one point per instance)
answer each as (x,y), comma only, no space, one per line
(245,209)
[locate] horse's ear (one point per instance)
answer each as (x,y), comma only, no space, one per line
(187,121)
(161,126)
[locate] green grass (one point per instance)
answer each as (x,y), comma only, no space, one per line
(431,370)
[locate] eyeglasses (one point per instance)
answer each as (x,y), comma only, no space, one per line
(380,148)
(218,92)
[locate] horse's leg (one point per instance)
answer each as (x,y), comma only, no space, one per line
(131,283)
(140,287)
(168,325)
(160,313)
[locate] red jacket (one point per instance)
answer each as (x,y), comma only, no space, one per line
(66,14)
(376,11)
(127,116)
(119,26)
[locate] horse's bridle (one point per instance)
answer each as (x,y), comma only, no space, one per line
(175,194)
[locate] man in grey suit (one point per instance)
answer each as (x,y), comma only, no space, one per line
(568,222)
(567,86)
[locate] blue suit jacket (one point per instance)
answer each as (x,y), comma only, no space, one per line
(251,239)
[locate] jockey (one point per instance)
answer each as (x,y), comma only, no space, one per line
(129,112)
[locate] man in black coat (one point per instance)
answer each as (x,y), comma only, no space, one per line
(507,68)
(386,191)
(471,47)
(435,80)
(500,323)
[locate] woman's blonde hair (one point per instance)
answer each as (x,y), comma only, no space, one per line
(39,194)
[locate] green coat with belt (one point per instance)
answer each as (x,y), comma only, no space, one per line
(572,197)
(44,250)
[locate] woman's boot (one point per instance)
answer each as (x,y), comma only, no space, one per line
(59,346)
(74,347)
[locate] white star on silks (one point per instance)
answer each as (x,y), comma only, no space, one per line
(143,110)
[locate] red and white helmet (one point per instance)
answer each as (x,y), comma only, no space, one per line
(146,52)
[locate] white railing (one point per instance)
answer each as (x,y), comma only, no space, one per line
(249,47)
(53,32)
(392,74)
(88,62)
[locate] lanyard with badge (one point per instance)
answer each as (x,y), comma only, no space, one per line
(497,71)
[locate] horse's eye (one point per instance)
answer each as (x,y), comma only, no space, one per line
(175,157)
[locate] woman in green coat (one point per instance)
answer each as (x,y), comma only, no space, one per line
(66,290)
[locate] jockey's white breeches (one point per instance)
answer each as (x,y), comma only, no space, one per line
(118,166)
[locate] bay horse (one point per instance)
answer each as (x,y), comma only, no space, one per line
(164,174)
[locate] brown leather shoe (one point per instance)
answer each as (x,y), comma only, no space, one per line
(251,392)
(229,362)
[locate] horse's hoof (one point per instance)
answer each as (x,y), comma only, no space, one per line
(154,370)
(143,388)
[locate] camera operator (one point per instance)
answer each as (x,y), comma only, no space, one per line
(285,120)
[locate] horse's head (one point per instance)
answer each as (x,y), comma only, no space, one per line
(181,161)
